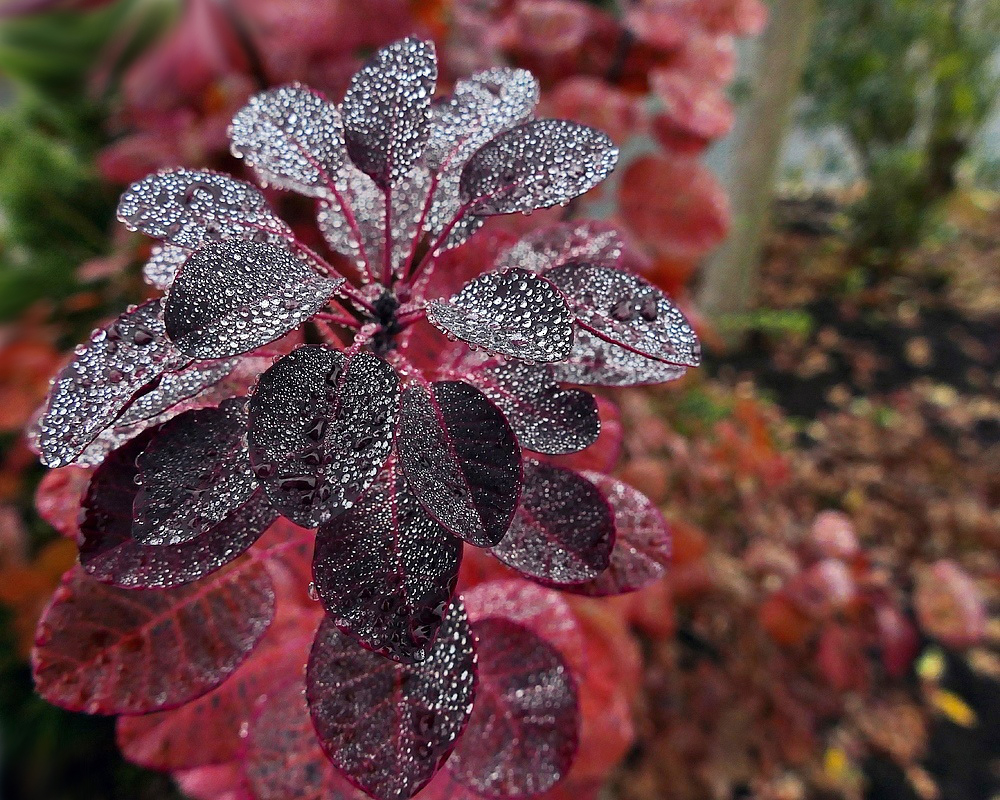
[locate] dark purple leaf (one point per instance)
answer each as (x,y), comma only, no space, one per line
(110,554)
(523,732)
(92,390)
(555,245)
(387,108)
(106,650)
(564,529)
(536,165)
(513,313)
(321,427)
(190,208)
(385,570)
(626,310)
(236,296)
(387,726)
(283,759)
(164,262)
(292,137)
(642,541)
(193,474)
(461,459)
(597,362)
(545,417)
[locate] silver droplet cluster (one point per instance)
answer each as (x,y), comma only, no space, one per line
(513,313)
(192,476)
(235,296)
(538,164)
(92,390)
(625,309)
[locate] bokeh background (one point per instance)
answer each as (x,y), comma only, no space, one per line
(815,183)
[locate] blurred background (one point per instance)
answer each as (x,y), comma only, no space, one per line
(815,183)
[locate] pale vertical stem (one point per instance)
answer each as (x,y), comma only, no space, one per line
(729,279)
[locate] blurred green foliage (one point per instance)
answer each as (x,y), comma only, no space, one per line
(57,73)
(910,82)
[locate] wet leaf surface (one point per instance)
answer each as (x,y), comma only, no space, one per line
(236,296)
(321,427)
(563,530)
(513,313)
(387,726)
(385,570)
(461,459)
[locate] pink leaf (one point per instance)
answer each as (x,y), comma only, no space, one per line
(59,495)
(556,245)
(210,730)
(106,650)
(522,734)
(282,759)
(387,726)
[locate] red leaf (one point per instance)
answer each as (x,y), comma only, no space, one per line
(102,649)
(676,205)
(522,734)
(59,496)
(543,611)
(283,759)
(387,726)
(210,730)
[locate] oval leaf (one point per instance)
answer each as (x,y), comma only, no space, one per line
(189,208)
(386,726)
(106,650)
(642,541)
(192,475)
(597,362)
(626,310)
(321,427)
(283,760)
(210,730)
(110,554)
(461,459)
(513,313)
(555,245)
(292,137)
(235,296)
(92,390)
(536,165)
(386,109)
(523,732)
(563,531)
(545,417)
(385,570)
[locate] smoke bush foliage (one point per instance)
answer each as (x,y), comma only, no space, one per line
(228,452)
